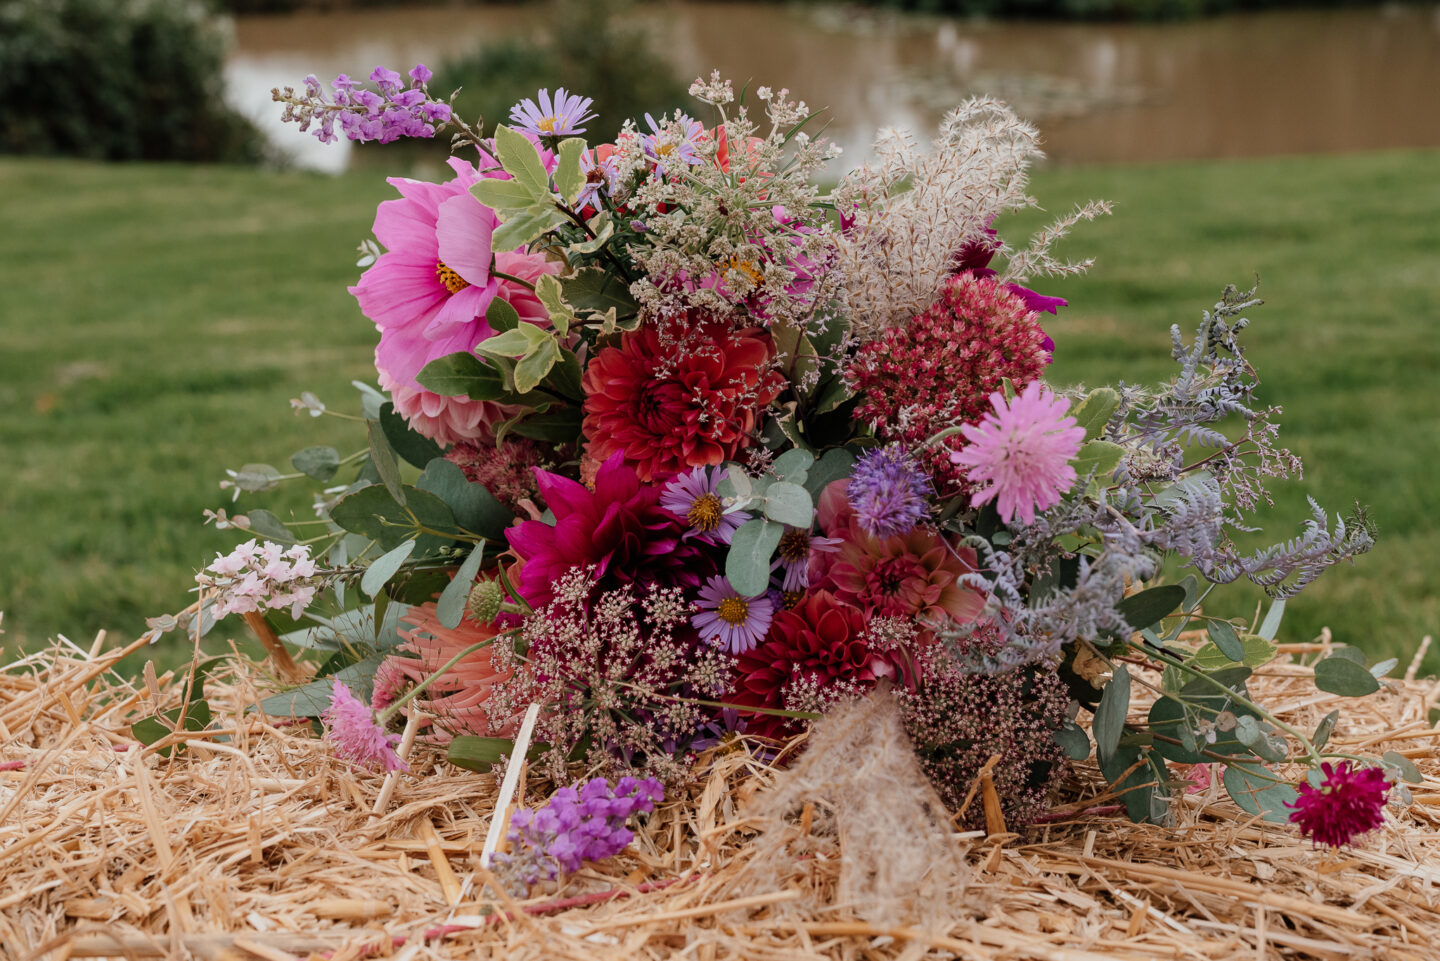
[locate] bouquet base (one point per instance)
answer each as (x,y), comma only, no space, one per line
(250,841)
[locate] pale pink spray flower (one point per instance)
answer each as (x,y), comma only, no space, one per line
(1020,453)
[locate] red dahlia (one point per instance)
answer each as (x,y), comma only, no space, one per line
(814,653)
(669,406)
(939,370)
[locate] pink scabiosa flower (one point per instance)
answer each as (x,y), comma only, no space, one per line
(357,736)
(730,620)
(1020,453)
(939,370)
(1349,802)
(692,496)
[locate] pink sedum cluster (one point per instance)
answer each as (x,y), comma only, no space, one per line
(260,577)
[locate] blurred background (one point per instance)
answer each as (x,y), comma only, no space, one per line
(173,261)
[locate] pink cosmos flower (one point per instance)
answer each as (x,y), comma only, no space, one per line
(1349,802)
(356,735)
(1021,453)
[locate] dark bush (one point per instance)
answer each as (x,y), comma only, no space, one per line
(117,80)
(589,49)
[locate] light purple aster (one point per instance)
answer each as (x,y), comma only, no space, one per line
(601,177)
(691,496)
(671,141)
(797,549)
(887,490)
(559,117)
(729,620)
(356,735)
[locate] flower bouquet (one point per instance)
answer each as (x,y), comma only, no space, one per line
(676,452)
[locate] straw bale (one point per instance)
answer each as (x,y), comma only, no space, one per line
(252,842)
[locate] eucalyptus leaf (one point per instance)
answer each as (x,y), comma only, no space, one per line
(410,444)
(1151,606)
(378,574)
(319,462)
(1384,667)
(747,565)
(474,508)
(151,729)
(1110,714)
(1258,791)
(1271,625)
(1073,741)
(255,478)
(1339,675)
(1324,729)
(1257,651)
(450,608)
(312,699)
(1222,635)
(383,458)
(482,753)
(373,512)
(790,504)
(270,527)
(835,464)
(1408,771)
(792,465)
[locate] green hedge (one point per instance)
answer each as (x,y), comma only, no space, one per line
(117,80)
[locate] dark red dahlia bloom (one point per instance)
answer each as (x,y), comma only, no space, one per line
(671,406)
(814,653)
(619,527)
(940,369)
(1349,802)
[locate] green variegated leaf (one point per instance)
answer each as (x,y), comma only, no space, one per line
(503,196)
(569,175)
(521,160)
(1095,411)
(522,341)
(531,369)
(602,227)
(552,296)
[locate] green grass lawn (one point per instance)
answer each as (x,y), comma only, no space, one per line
(156,321)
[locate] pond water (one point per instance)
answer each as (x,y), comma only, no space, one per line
(1242,85)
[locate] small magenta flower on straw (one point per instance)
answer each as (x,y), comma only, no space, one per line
(887,490)
(557,117)
(1349,802)
(356,734)
(728,619)
(1020,453)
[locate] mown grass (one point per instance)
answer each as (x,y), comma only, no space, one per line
(157,319)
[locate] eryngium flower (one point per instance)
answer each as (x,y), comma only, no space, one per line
(887,490)
(1349,802)
(938,370)
(1021,453)
(356,735)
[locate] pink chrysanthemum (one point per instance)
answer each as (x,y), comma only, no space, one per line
(730,620)
(939,369)
(1349,802)
(1021,453)
(356,735)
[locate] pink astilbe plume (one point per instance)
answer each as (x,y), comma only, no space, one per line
(938,370)
(1020,454)
(357,736)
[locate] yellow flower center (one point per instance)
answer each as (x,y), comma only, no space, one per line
(548,124)
(795,545)
(734,610)
(792,599)
(704,515)
(746,267)
(453,282)
(665,149)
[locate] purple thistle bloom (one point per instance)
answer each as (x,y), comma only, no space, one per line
(575,826)
(356,735)
(888,490)
(729,620)
(691,496)
(559,117)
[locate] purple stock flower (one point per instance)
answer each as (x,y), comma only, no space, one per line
(420,75)
(887,490)
(574,826)
(559,117)
(364,115)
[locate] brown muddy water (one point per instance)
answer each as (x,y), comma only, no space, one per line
(1244,85)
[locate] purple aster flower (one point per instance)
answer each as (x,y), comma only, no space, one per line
(730,620)
(356,735)
(797,549)
(559,117)
(672,141)
(576,825)
(1021,453)
(691,496)
(1349,802)
(888,490)
(601,177)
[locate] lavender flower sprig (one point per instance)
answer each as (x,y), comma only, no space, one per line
(363,115)
(575,825)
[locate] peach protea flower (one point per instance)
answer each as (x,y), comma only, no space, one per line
(458,698)
(940,369)
(670,406)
